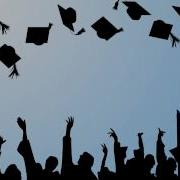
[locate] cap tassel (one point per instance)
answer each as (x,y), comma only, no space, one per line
(81,31)
(120,30)
(115,7)
(14,72)
(4,27)
(174,40)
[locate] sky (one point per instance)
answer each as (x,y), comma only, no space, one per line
(130,83)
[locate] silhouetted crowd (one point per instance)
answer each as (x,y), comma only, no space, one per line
(138,167)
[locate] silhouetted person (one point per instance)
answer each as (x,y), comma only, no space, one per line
(120,155)
(85,162)
(105,173)
(161,156)
(136,164)
(25,150)
(50,166)
(149,163)
(12,172)
(170,169)
(34,170)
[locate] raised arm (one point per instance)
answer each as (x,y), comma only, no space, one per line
(160,152)
(67,149)
(119,160)
(141,145)
(25,150)
(105,152)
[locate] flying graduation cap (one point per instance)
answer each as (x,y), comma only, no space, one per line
(135,11)
(105,29)
(177,9)
(9,58)
(68,17)
(162,30)
(38,35)
(4,27)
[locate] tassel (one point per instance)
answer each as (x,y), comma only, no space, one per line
(120,30)
(115,7)
(14,72)
(80,31)
(4,27)
(174,40)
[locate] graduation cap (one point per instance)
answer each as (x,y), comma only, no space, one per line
(4,27)
(105,29)
(135,11)
(177,9)
(68,17)
(163,31)
(38,35)
(9,58)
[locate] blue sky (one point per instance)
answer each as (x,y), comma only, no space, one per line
(130,83)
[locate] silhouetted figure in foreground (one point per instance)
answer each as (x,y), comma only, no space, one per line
(83,169)
(136,164)
(119,155)
(34,170)
(105,173)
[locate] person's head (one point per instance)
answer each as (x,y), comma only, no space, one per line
(51,163)
(149,162)
(12,172)
(86,160)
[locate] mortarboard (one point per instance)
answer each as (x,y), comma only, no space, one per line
(162,30)
(135,11)
(105,29)
(4,27)
(177,9)
(38,35)
(9,58)
(68,17)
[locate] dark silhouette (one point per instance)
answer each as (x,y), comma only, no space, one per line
(135,11)
(85,162)
(105,173)
(116,5)
(163,31)
(119,155)
(177,9)
(34,170)
(138,167)
(4,27)
(38,35)
(81,31)
(105,29)
(68,17)
(9,58)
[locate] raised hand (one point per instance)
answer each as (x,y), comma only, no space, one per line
(104,149)
(140,134)
(112,134)
(70,123)
(21,123)
(161,133)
